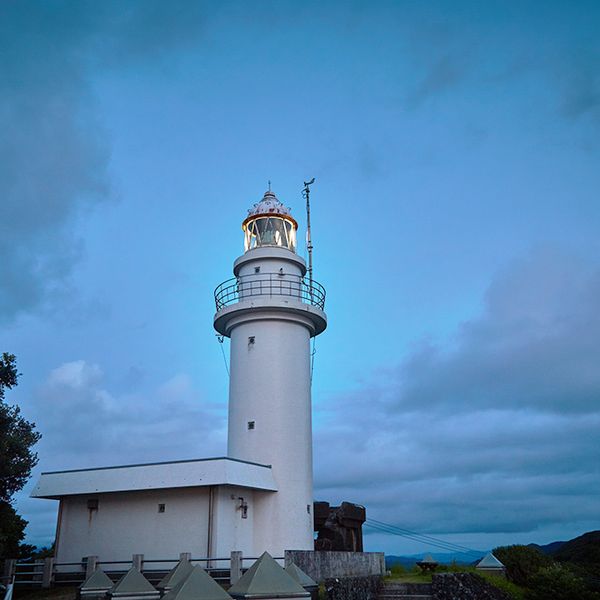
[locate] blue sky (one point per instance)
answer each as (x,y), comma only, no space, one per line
(456,152)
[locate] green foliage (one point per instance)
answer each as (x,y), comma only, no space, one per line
(514,591)
(12,531)
(397,569)
(17,436)
(8,373)
(582,556)
(521,562)
(558,583)
(322,592)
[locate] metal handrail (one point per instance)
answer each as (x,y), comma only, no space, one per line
(269,284)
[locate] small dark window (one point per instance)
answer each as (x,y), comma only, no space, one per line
(250,424)
(92,504)
(161,508)
(251,340)
(257,269)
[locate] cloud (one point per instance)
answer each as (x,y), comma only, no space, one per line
(441,75)
(494,430)
(103,427)
(581,95)
(86,424)
(54,153)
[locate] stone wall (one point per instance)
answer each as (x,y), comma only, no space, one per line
(464,586)
(336,565)
(352,588)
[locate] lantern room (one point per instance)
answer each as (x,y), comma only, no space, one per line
(269,223)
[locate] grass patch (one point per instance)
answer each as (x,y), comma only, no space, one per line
(400,573)
(514,591)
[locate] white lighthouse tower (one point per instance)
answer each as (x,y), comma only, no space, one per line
(270,312)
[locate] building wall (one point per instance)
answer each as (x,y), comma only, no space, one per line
(231,531)
(129,522)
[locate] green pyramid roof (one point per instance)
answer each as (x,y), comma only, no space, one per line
(266,579)
(198,585)
(178,573)
(98,580)
(489,561)
(300,576)
(133,582)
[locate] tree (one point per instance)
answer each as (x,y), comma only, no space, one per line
(521,562)
(17,436)
(557,582)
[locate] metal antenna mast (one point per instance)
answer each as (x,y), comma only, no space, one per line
(309,246)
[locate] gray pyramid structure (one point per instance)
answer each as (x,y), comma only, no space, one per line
(198,585)
(301,577)
(265,579)
(177,574)
(489,561)
(95,586)
(133,586)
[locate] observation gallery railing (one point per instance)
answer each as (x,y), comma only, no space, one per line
(270,284)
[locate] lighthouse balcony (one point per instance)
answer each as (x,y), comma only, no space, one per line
(270,285)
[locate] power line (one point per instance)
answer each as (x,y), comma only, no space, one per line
(424,539)
(220,339)
(429,537)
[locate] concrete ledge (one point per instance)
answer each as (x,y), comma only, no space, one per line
(322,565)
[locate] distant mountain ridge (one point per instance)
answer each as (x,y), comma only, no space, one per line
(548,549)
(444,558)
(583,550)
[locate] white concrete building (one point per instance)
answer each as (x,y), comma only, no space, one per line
(258,498)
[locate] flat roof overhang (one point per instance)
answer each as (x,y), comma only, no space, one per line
(155,476)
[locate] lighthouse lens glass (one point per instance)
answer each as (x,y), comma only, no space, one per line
(270,231)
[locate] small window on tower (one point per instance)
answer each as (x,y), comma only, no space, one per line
(251,424)
(257,269)
(161,508)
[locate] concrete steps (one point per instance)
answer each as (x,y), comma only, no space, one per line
(392,590)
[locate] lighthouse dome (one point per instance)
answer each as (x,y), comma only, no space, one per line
(269,223)
(270,204)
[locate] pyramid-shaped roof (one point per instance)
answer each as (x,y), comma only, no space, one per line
(428,559)
(266,579)
(98,580)
(489,561)
(198,585)
(177,574)
(300,576)
(133,582)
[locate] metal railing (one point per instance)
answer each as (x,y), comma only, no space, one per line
(47,573)
(270,284)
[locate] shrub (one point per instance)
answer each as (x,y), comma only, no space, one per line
(557,582)
(521,562)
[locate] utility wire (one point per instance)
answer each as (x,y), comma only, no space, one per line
(425,542)
(424,539)
(220,339)
(429,537)
(312,357)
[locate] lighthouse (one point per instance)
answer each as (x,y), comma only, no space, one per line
(260,496)
(270,311)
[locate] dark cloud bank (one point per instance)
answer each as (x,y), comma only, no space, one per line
(495,430)
(54,154)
